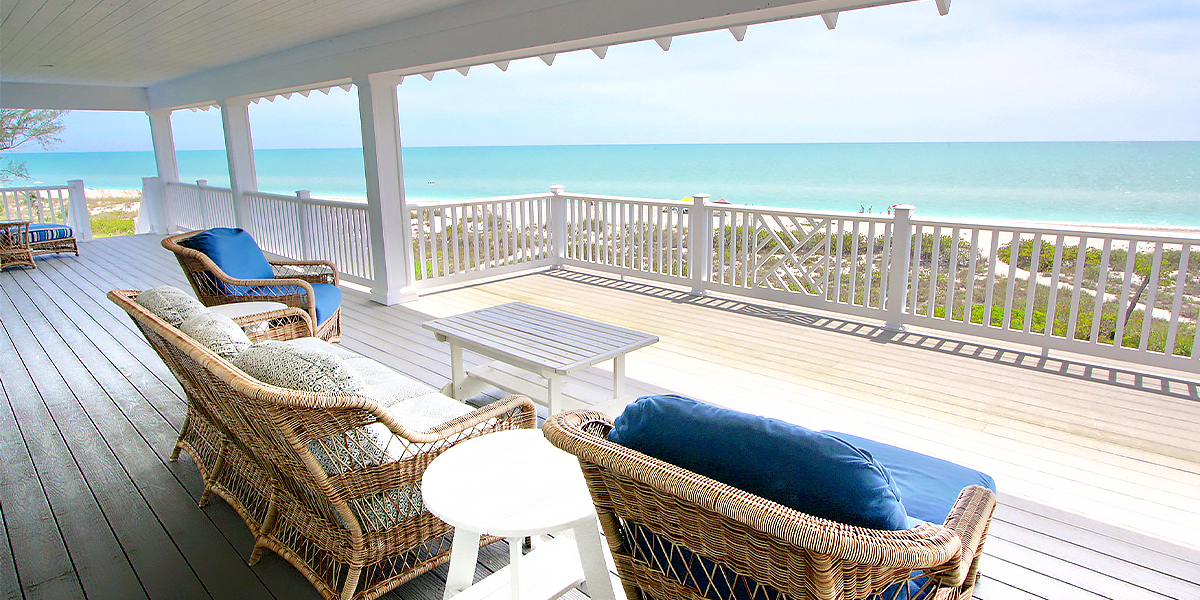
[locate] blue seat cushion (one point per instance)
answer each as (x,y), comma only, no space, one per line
(929,486)
(808,471)
(329,299)
(44,232)
(233,250)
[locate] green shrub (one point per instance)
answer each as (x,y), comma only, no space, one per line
(111,223)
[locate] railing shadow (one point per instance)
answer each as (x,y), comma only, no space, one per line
(1113,376)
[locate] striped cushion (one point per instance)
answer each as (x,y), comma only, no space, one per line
(44,232)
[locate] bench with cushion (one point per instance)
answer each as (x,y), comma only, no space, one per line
(225,265)
(698,501)
(47,238)
(319,449)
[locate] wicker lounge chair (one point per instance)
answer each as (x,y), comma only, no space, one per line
(356,533)
(308,285)
(678,535)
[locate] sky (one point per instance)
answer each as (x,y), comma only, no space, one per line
(992,70)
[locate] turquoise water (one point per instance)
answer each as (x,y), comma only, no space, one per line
(1151,183)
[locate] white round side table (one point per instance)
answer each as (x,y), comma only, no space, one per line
(515,484)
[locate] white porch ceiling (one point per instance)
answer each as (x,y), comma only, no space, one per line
(138,54)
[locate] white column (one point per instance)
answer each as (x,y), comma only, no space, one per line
(78,216)
(699,242)
(239,149)
(387,211)
(901,252)
(153,201)
(152,213)
(164,144)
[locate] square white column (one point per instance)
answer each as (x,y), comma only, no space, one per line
(239,149)
(388,214)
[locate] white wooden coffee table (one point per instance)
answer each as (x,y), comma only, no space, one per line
(515,484)
(545,342)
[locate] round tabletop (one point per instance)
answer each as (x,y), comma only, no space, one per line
(509,484)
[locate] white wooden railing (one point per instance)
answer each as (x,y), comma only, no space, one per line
(63,204)
(197,206)
(956,276)
(455,242)
(1120,294)
(305,228)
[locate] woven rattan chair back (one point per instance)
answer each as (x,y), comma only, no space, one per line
(677,535)
(341,506)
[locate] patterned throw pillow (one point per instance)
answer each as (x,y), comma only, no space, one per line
(170,304)
(218,333)
(297,368)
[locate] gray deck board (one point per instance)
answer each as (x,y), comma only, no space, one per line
(92,508)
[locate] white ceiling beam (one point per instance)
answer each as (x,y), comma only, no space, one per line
(663,42)
(481,32)
(463,70)
(830,20)
(943,7)
(600,51)
(429,76)
(548,59)
(502,65)
(73,97)
(739,32)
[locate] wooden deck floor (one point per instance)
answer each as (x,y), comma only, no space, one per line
(1098,465)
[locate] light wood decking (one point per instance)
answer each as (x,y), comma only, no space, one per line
(1099,467)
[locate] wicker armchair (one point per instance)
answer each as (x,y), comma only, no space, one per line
(356,533)
(675,534)
(292,284)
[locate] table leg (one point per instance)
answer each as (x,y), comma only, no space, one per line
(514,572)
(554,392)
(464,552)
(458,372)
(591,556)
(619,376)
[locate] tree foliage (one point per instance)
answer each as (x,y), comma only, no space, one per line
(21,126)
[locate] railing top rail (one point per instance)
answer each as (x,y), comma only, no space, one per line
(774,210)
(197,186)
(627,199)
(489,199)
(1102,231)
(35,188)
(315,201)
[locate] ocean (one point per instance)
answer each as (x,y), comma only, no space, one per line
(1143,183)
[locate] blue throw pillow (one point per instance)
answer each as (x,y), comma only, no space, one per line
(805,470)
(233,250)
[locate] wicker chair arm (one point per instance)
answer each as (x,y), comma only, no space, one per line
(514,412)
(314,271)
(282,325)
(969,520)
(583,433)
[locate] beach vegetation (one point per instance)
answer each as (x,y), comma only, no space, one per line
(21,126)
(113,212)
